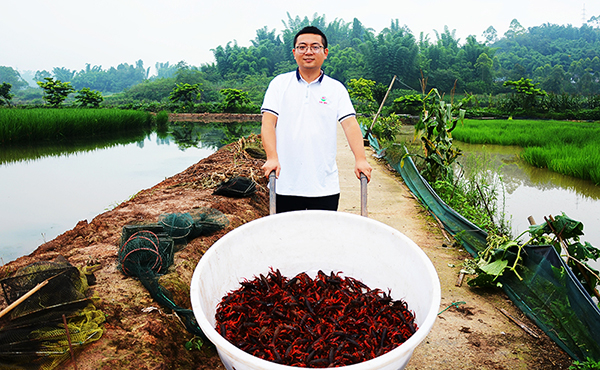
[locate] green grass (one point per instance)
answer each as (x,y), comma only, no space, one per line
(568,148)
(41,124)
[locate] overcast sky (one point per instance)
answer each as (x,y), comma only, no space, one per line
(43,34)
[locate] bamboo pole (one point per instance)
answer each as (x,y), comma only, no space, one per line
(24,297)
(380,108)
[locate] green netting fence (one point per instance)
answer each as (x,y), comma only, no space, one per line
(549,294)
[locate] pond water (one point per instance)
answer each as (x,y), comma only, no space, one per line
(531,191)
(44,195)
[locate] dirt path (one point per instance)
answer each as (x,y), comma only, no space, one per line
(474,335)
(139,334)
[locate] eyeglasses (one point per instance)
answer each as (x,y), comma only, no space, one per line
(303,48)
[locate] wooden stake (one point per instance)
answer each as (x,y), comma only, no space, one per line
(24,297)
(459,281)
(520,323)
(379,110)
(69,340)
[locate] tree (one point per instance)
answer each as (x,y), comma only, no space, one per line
(361,90)
(594,21)
(13,77)
(63,74)
(40,75)
(490,35)
(188,74)
(485,67)
(165,70)
(393,52)
(155,90)
(55,91)
(552,78)
(526,92)
(235,100)
(89,98)
(343,64)
(515,29)
(185,93)
(111,80)
(5,95)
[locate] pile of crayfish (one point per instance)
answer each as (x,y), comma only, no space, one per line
(328,321)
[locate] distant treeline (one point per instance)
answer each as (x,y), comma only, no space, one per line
(561,59)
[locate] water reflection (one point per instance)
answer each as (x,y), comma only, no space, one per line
(45,190)
(30,152)
(215,135)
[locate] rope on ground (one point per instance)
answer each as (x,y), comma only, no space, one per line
(455,304)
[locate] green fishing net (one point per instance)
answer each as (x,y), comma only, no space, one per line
(146,251)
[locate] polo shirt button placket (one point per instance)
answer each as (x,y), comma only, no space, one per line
(307,94)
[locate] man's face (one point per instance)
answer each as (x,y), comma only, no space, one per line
(310,59)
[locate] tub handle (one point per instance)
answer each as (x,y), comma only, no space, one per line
(363,194)
(272,193)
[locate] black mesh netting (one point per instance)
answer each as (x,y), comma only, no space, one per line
(33,334)
(147,251)
(236,187)
(549,293)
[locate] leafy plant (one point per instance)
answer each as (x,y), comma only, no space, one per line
(89,98)
(409,104)
(235,100)
(361,90)
(588,364)
(5,95)
(477,199)
(526,93)
(185,93)
(195,343)
(434,128)
(563,233)
(55,91)
(502,253)
(386,128)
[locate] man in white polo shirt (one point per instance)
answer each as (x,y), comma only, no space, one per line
(300,114)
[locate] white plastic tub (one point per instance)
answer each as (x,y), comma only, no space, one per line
(308,241)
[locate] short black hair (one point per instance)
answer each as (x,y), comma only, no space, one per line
(314,31)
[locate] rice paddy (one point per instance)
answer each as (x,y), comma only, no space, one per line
(568,148)
(42,124)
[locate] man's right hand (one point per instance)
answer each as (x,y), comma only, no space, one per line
(271,165)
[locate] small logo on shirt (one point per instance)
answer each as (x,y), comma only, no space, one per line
(323,100)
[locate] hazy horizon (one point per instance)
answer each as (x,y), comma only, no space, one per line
(73,33)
